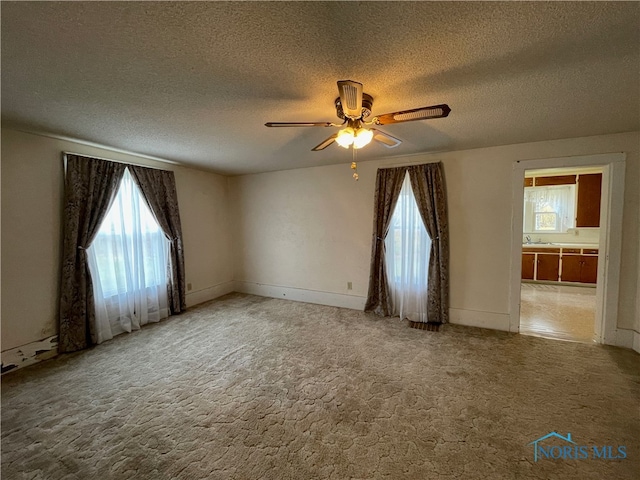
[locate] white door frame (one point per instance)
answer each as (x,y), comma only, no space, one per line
(611,206)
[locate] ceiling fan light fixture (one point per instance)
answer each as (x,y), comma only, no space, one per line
(345,137)
(363,138)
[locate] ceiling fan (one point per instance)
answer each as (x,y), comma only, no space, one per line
(353,106)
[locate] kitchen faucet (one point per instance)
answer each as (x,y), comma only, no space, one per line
(528,237)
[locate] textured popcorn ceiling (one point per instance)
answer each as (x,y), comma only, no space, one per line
(195,82)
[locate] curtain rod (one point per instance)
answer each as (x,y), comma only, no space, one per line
(107,160)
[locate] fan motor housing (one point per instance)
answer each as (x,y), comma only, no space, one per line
(367,104)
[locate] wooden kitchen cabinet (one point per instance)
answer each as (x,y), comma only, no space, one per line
(579,268)
(548,266)
(528,266)
(555,180)
(588,208)
(589,271)
(565,264)
(571,266)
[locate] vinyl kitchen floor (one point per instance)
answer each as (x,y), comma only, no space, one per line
(558,311)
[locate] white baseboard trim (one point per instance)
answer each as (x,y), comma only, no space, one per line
(209,293)
(29,354)
(474,318)
(354,302)
(620,338)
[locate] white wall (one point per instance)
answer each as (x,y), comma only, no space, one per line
(306,232)
(32,193)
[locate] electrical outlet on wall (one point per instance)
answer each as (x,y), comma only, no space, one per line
(188,286)
(349,286)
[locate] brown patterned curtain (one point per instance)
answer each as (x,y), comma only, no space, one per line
(159,190)
(427,183)
(90,188)
(388,186)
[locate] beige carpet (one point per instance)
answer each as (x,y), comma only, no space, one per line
(250,388)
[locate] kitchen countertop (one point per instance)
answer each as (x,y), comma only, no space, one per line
(561,245)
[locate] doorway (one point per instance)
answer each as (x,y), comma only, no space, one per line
(560,250)
(545,244)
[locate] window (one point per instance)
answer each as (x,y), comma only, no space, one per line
(549,209)
(129,261)
(407,247)
(546,219)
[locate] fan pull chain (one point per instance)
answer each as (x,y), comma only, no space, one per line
(354,165)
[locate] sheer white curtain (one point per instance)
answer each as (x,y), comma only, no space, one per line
(128,261)
(540,201)
(407,258)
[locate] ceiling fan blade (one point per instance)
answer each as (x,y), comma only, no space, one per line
(422,113)
(350,98)
(300,124)
(385,139)
(325,143)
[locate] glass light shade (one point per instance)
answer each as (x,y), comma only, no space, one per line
(363,137)
(345,137)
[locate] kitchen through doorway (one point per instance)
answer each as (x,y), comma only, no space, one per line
(560,252)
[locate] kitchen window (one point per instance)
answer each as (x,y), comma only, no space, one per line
(549,209)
